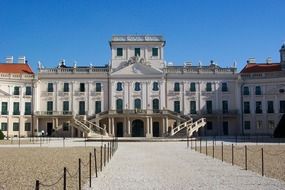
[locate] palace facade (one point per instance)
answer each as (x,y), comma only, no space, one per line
(139,95)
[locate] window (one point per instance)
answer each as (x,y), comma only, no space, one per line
(192,87)
(208,87)
(137,86)
(137,52)
(97,106)
(282,106)
(246,125)
(257,90)
(259,124)
(224,87)
(65,107)
(16,90)
(246,107)
(16,108)
(137,104)
(154,52)
(119,105)
(66,87)
(209,125)
(119,52)
(49,107)
(27,126)
(271,124)
(98,87)
(82,87)
(258,107)
(28,108)
(65,126)
(4,126)
(177,106)
(176,87)
(155,105)
(193,107)
(270,107)
(245,90)
(28,90)
(209,106)
(155,86)
(119,86)
(225,106)
(4,110)
(81,107)
(15,126)
(50,87)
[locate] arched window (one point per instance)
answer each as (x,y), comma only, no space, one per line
(119,105)
(155,105)
(137,86)
(137,103)
(155,86)
(119,86)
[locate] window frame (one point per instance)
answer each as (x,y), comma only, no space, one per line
(154,52)
(137,52)
(28,92)
(119,53)
(50,87)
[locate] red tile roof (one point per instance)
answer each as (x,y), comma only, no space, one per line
(259,68)
(15,68)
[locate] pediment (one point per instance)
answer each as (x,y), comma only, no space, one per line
(137,69)
(3,93)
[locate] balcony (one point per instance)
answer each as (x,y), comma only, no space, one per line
(53,113)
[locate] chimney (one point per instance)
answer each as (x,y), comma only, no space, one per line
(269,60)
(22,59)
(251,61)
(9,59)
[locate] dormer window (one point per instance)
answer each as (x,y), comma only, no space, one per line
(137,51)
(154,52)
(119,86)
(119,52)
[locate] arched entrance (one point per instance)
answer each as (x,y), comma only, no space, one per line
(137,128)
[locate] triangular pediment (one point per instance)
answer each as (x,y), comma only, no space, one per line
(3,93)
(137,69)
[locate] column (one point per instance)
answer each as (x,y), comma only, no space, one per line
(144,95)
(147,127)
(150,127)
(163,126)
(113,126)
(109,126)
(129,126)
(125,127)
(166,124)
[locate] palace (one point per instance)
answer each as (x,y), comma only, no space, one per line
(138,94)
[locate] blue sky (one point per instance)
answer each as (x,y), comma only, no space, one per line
(221,30)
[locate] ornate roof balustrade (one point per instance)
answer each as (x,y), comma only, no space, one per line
(17,76)
(75,70)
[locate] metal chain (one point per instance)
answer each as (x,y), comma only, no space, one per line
(49,185)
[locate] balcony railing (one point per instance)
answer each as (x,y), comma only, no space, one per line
(55,113)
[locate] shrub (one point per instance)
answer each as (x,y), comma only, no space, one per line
(1,135)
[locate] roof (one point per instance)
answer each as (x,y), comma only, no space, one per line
(22,68)
(261,67)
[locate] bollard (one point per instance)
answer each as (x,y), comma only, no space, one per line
(200,145)
(37,185)
(79,174)
(206,148)
(104,155)
(101,159)
(232,154)
(213,150)
(222,151)
(195,144)
(187,141)
(90,154)
(108,152)
(191,144)
(64,178)
(95,162)
(262,162)
(245,155)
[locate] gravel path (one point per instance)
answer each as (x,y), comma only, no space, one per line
(161,165)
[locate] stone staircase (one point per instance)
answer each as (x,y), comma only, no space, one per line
(188,127)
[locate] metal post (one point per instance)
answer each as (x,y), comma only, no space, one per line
(232,154)
(195,144)
(90,154)
(262,162)
(108,152)
(79,174)
(104,155)
(37,185)
(213,149)
(222,151)
(206,147)
(101,159)
(95,164)
(187,140)
(200,145)
(64,178)
(245,154)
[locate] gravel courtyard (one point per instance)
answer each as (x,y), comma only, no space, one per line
(149,165)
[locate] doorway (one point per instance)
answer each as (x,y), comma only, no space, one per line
(119,132)
(225,128)
(155,129)
(137,128)
(49,129)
